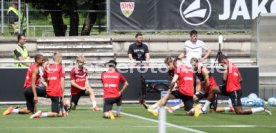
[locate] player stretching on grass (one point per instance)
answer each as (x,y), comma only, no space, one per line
(169,62)
(80,84)
(232,88)
(111,80)
(31,89)
(208,83)
(54,77)
(184,77)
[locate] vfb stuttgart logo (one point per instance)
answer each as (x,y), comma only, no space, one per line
(127,8)
(195,12)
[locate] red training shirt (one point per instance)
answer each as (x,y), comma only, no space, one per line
(111,81)
(79,76)
(185,80)
(28,79)
(53,73)
(232,83)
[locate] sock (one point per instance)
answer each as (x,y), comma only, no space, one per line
(206,105)
(157,108)
(44,115)
(15,111)
(228,109)
(154,106)
(94,104)
(193,110)
(255,110)
(118,109)
(176,107)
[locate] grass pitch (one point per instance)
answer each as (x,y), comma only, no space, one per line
(137,120)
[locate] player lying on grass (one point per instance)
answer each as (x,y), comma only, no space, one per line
(184,77)
(54,77)
(112,94)
(31,89)
(232,88)
(80,85)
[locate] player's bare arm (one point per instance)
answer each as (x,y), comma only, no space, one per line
(205,73)
(175,77)
(224,74)
(62,86)
(124,87)
(34,76)
(208,52)
(73,83)
(240,77)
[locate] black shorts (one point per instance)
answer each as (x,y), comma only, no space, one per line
(187,100)
(235,97)
(108,103)
(75,97)
(29,96)
(56,104)
(222,89)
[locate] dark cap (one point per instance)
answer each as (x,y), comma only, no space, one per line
(111,63)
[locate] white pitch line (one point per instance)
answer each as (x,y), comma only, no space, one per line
(168,124)
(219,126)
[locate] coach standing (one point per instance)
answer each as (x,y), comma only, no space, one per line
(138,51)
(194,48)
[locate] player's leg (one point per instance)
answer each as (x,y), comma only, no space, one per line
(119,107)
(28,93)
(162,102)
(188,103)
(210,98)
(236,102)
(107,110)
(29,103)
(176,107)
(55,112)
(90,92)
(75,99)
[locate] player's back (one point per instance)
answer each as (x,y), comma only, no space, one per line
(232,78)
(185,80)
(54,73)
(111,81)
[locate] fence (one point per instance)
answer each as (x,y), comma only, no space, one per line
(39,23)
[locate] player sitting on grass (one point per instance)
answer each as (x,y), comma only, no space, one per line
(232,88)
(31,89)
(54,77)
(111,81)
(80,84)
(184,77)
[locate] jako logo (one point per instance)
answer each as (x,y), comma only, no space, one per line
(195,12)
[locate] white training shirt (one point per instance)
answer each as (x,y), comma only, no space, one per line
(194,50)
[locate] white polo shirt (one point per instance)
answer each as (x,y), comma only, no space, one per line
(194,49)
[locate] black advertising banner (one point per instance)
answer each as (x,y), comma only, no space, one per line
(180,15)
(250,81)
